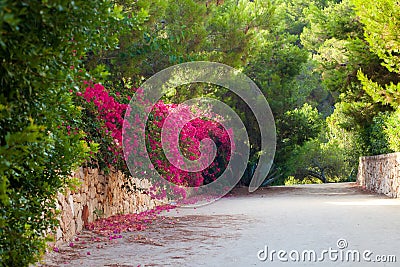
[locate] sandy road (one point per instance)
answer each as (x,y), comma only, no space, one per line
(307,223)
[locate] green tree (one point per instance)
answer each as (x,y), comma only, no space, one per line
(332,155)
(339,41)
(381,21)
(174,32)
(314,160)
(294,129)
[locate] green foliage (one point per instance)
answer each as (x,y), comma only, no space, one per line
(378,140)
(316,159)
(294,129)
(384,136)
(42,46)
(275,70)
(291,13)
(332,156)
(291,180)
(300,125)
(381,20)
(281,60)
(173,32)
(245,24)
(304,55)
(283,72)
(346,136)
(334,36)
(392,131)
(355,45)
(389,94)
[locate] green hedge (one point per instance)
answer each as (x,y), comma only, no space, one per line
(42,47)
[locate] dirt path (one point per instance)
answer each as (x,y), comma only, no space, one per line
(237,230)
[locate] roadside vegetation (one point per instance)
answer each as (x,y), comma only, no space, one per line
(329,70)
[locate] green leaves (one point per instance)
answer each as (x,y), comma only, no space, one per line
(387,95)
(392,130)
(355,44)
(42,48)
(381,21)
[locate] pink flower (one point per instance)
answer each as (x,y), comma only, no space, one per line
(205,125)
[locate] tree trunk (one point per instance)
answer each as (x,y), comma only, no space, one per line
(318,175)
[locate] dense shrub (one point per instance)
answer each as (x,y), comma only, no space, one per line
(392,130)
(42,46)
(378,138)
(109,113)
(189,142)
(384,134)
(104,119)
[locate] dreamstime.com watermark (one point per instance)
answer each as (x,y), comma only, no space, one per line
(341,253)
(176,78)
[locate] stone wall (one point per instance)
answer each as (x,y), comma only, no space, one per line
(98,196)
(380,174)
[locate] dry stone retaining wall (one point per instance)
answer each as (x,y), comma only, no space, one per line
(98,196)
(380,174)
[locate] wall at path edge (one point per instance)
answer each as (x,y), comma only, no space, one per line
(380,174)
(99,196)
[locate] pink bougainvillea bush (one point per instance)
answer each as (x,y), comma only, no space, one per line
(108,111)
(103,113)
(190,137)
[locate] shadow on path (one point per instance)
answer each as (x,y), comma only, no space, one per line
(231,231)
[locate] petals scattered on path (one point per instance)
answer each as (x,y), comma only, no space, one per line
(114,225)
